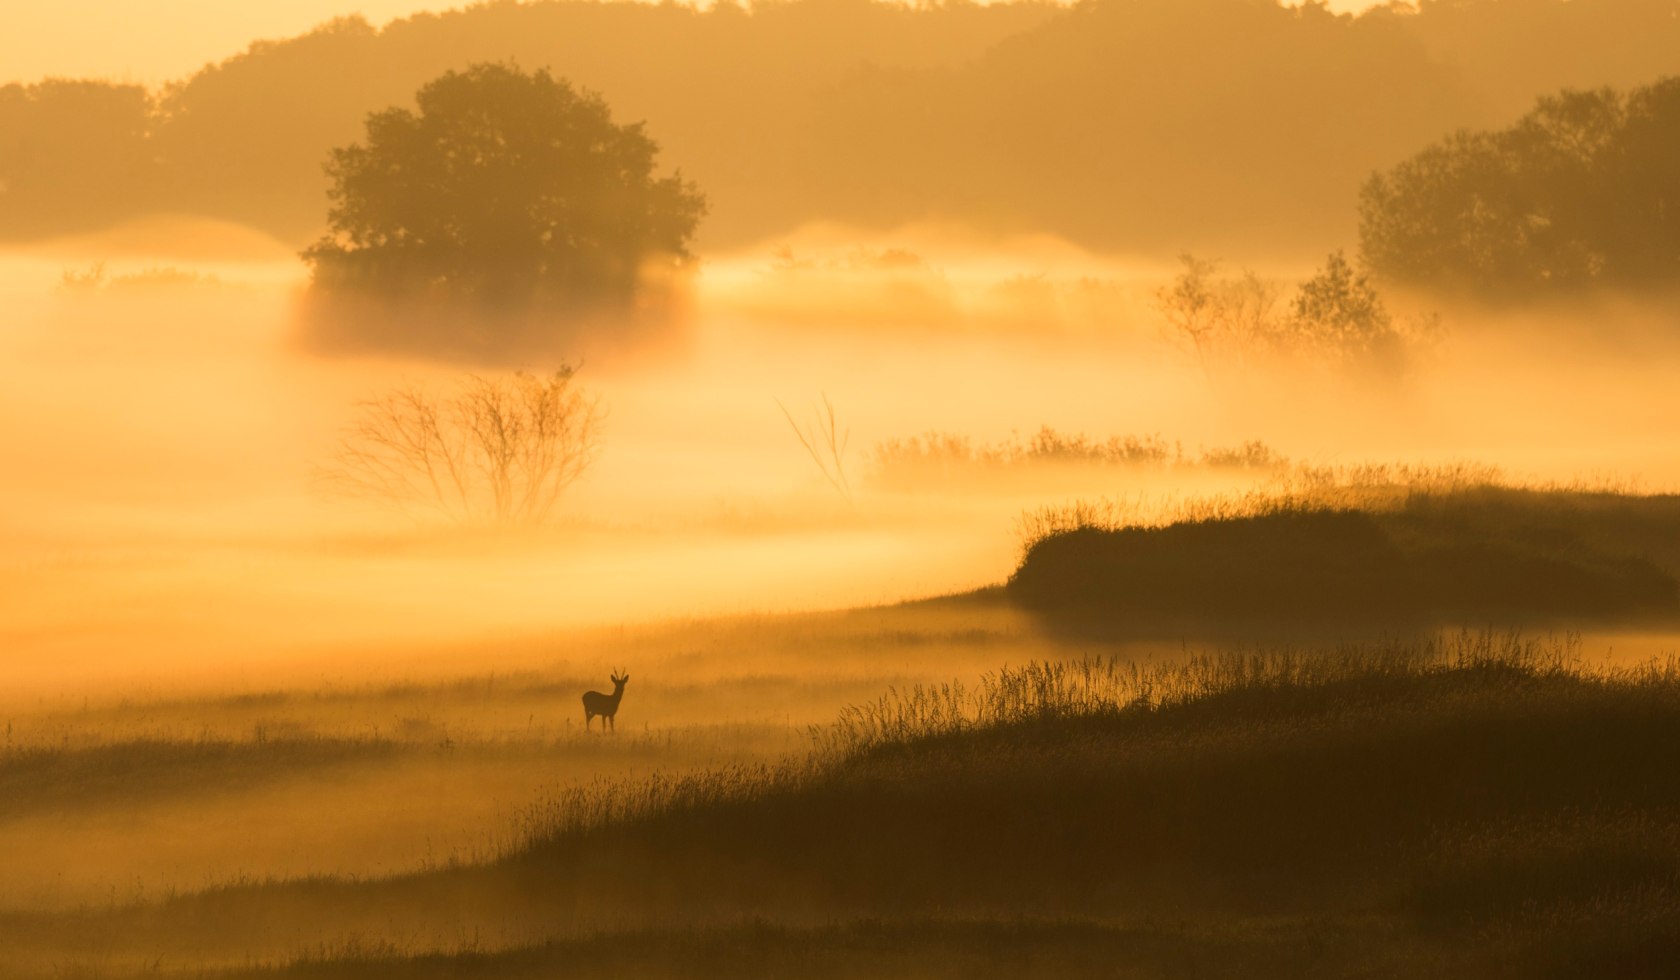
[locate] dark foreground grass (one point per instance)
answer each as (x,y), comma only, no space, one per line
(920,948)
(1480,806)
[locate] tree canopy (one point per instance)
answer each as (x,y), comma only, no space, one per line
(73,155)
(1017,117)
(506,190)
(1582,191)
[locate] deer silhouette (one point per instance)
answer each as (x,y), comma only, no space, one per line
(605,705)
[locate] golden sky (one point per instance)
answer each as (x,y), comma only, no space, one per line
(152,41)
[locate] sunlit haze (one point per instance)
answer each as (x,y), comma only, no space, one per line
(156,41)
(839,488)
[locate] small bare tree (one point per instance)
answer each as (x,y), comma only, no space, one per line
(494,450)
(1336,318)
(1214,318)
(825,442)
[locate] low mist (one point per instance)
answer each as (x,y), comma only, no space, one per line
(165,518)
(842,484)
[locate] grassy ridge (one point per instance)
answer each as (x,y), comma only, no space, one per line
(1472,554)
(1259,797)
(1482,803)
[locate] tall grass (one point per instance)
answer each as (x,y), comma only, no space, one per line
(1402,790)
(1040,691)
(1048,690)
(1363,486)
(938,457)
(614,801)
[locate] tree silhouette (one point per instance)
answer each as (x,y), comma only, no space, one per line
(505,191)
(1339,310)
(1580,192)
(73,155)
(1336,317)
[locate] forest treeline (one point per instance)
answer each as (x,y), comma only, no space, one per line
(1211,124)
(1583,191)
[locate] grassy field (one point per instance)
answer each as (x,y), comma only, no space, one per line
(955,787)
(135,796)
(1480,802)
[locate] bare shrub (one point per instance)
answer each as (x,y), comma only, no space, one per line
(825,442)
(1336,317)
(1215,319)
(492,450)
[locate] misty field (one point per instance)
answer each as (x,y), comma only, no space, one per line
(1470,801)
(840,488)
(253,728)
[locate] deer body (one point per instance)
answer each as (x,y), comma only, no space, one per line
(605,705)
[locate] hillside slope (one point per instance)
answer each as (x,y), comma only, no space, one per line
(1478,804)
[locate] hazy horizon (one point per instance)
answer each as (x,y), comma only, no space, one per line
(120,41)
(1155,487)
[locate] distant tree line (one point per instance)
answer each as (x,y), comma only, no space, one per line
(1017,116)
(74,155)
(1583,191)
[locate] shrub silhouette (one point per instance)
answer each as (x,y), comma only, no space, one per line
(494,450)
(1336,316)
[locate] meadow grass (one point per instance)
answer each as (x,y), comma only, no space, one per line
(129,794)
(1483,803)
(909,948)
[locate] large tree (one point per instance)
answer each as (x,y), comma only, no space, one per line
(508,191)
(1581,192)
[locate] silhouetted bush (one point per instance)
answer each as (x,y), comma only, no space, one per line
(1336,316)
